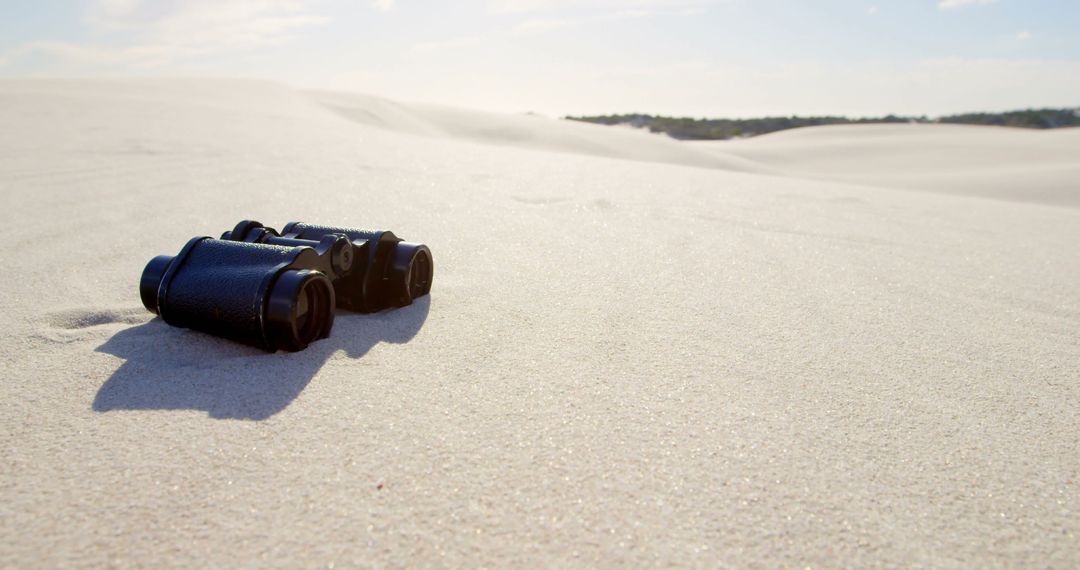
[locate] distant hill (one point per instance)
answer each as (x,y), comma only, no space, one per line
(686,128)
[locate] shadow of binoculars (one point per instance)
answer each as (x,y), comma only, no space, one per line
(166,369)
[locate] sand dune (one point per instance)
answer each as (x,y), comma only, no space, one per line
(627,358)
(994,162)
(527,131)
(1007,164)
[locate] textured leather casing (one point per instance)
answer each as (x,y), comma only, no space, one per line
(363,289)
(220,286)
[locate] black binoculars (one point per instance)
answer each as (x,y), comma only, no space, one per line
(278,291)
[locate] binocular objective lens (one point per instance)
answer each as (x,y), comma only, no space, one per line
(420,274)
(312,309)
(311,304)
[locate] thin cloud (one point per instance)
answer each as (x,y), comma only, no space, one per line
(141,56)
(642,13)
(517,6)
(444,45)
(526,28)
(951,4)
(142,35)
(540,25)
(383,5)
(1023,35)
(632,8)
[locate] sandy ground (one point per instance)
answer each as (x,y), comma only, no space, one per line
(1001,163)
(799,350)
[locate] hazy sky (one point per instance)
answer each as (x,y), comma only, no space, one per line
(683,57)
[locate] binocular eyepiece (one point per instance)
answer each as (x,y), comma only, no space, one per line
(278,290)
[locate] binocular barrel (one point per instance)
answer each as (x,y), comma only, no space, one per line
(270,296)
(384,271)
(278,291)
(336,249)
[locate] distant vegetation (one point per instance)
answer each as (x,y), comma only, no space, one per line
(713,129)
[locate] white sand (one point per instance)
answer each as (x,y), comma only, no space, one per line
(622,361)
(994,162)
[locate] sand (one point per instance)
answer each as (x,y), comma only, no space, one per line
(827,347)
(994,162)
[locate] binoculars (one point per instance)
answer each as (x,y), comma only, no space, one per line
(277,290)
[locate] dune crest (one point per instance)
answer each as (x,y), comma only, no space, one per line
(526,131)
(993,162)
(990,162)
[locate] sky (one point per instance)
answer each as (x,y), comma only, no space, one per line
(701,58)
